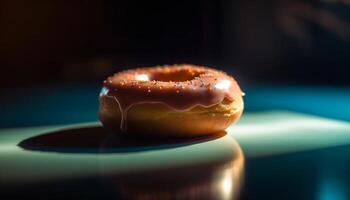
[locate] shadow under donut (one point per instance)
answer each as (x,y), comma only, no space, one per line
(97,139)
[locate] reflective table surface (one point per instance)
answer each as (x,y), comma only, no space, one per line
(85,161)
(274,155)
(276,151)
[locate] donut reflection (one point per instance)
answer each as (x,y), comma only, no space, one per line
(215,179)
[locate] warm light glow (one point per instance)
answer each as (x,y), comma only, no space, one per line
(142,77)
(230,179)
(226,183)
(223,85)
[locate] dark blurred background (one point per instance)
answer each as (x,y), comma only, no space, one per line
(292,41)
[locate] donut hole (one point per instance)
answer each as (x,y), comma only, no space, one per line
(175,76)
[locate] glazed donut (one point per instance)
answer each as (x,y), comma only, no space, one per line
(173,100)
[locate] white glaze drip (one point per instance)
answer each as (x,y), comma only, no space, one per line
(124,109)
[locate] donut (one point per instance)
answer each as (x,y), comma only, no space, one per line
(173,100)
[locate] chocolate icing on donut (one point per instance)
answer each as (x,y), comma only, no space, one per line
(180,87)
